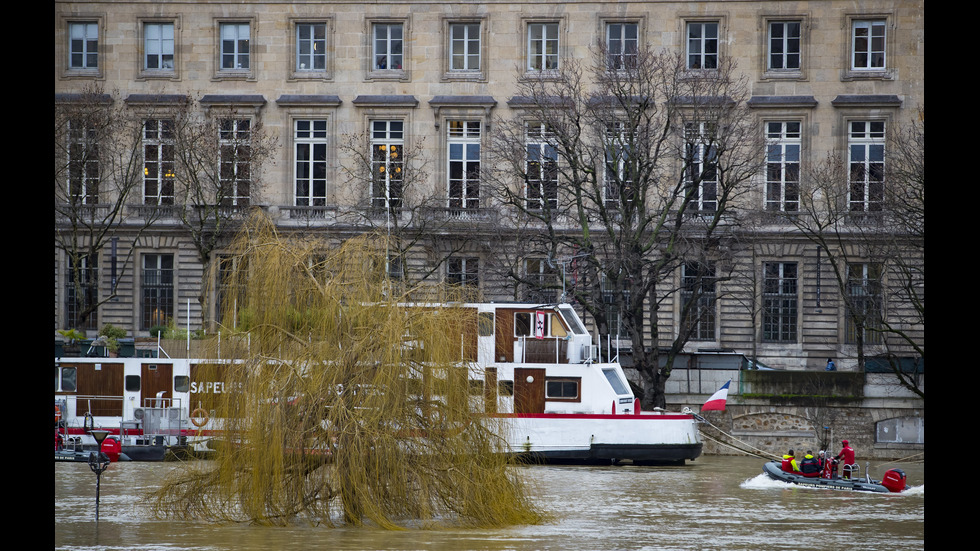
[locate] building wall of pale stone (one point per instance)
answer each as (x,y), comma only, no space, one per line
(824,77)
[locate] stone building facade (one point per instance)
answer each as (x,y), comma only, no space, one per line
(433,75)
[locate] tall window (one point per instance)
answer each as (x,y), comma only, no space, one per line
(542,46)
(387,162)
(83,163)
(235,164)
(235,38)
(868,45)
(866,163)
(310,151)
(542,168)
(698,297)
(231,293)
(311,46)
(783,166)
(158,46)
(388,46)
(779,302)
(864,305)
(158,162)
(702,45)
(464,47)
(89,287)
(83,45)
(157,282)
(540,276)
(463,271)
(464,164)
(618,176)
(701,174)
(784,45)
(622,43)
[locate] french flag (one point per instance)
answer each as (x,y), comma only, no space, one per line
(718,399)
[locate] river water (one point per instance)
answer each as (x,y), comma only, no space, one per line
(722,503)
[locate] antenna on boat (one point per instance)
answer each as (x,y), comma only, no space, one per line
(564,262)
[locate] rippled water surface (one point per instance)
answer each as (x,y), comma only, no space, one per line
(711,503)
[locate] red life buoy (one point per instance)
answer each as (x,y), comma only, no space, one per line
(199,417)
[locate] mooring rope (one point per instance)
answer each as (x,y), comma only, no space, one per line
(757,451)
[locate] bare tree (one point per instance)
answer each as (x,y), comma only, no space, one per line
(98,174)
(218,156)
(866,215)
(631,170)
(390,186)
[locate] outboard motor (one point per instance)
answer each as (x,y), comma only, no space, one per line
(112,448)
(894,480)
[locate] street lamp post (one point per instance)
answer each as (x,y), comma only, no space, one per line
(98,462)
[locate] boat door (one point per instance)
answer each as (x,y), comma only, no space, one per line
(156,378)
(528,390)
(100,389)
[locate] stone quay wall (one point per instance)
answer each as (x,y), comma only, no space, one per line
(771,412)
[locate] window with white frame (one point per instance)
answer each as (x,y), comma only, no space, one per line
(783,145)
(387,163)
(158,162)
(784,45)
(702,45)
(542,46)
(83,45)
(622,45)
(701,171)
(864,303)
(311,47)
(868,45)
(84,171)
(464,271)
(779,302)
(866,165)
(310,162)
(157,290)
(235,162)
(158,46)
(541,180)
(388,45)
(698,298)
(235,40)
(463,142)
(464,47)
(618,175)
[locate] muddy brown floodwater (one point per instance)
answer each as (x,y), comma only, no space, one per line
(722,503)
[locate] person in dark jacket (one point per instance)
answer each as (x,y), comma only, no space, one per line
(810,467)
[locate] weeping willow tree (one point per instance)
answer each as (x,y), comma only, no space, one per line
(350,409)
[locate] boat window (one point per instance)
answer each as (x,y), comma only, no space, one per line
(485,323)
(68,379)
(619,386)
(572,320)
(557,329)
(182,383)
(565,388)
(505,388)
(522,324)
(132,383)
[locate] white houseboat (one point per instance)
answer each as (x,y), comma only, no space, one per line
(537,365)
